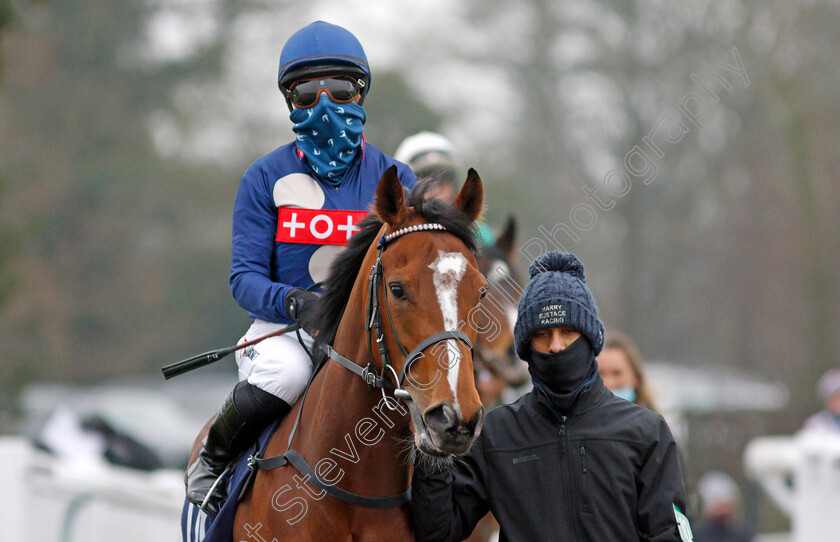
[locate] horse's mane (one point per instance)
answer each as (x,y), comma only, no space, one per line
(345,268)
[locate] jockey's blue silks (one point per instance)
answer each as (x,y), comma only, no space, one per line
(330,136)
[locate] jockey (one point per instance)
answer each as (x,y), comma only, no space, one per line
(429,154)
(294,209)
(432,156)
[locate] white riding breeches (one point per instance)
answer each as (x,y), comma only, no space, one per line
(278,365)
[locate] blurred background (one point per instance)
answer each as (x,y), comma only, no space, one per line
(686,152)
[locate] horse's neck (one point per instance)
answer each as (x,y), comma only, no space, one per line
(349,423)
(345,408)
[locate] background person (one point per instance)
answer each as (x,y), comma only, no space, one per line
(432,156)
(622,369)
(569,461)
(277,247)
(720,499)
(828,390)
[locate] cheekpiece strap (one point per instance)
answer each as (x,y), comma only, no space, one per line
(385,239)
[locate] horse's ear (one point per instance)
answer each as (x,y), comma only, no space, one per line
(505,241)
(390,201)
(471,196)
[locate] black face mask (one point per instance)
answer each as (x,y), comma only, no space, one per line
(565,371)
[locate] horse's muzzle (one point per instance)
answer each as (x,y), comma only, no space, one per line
(450,434)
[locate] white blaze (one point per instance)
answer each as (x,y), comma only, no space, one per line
(448,269)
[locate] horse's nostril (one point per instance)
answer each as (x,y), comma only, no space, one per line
(477,420)
(441,417)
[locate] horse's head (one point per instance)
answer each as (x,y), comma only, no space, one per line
(495,321)
(431,283)
(496,263)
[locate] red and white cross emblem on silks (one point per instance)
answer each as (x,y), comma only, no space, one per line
(317,226)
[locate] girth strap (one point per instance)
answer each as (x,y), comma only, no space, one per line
(291,456)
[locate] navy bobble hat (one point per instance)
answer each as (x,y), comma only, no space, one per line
(557,296)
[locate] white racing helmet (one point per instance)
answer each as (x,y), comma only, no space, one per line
(428,154)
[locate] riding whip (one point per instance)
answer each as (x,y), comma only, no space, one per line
(186,365)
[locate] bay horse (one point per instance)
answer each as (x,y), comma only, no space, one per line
(496,364)
(393,310)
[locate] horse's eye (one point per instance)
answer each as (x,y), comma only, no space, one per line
(397,291)
(483,292)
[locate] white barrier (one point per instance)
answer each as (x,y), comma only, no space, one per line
(801,475)
(45,499)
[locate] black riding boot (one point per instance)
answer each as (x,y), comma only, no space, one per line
(246,412)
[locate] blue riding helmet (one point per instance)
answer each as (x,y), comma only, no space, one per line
(321,49)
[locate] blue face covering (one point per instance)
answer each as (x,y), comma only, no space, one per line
(329,135)
(627,393)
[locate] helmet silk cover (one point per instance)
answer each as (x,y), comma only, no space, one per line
(322,49)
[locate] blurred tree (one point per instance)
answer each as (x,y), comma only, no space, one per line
(123,254)
(396,112)
(5,13)
(9,393)
(701,266)
(5,16)
(791,194)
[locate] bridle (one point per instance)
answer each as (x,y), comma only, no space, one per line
(373,317)
(374,324)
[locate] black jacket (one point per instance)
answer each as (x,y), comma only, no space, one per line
(607,473)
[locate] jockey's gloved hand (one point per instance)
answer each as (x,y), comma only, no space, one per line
(301,307)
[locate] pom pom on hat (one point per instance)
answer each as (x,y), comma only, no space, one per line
(562,262)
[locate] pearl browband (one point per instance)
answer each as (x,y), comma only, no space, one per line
(385,239)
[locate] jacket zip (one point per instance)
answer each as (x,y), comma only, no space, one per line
(584,479)
(563,437)
(567,474)
(568,462)
(567,470)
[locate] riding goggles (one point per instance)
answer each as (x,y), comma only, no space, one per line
(341,90)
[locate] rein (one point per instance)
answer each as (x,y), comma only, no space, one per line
(373,317)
